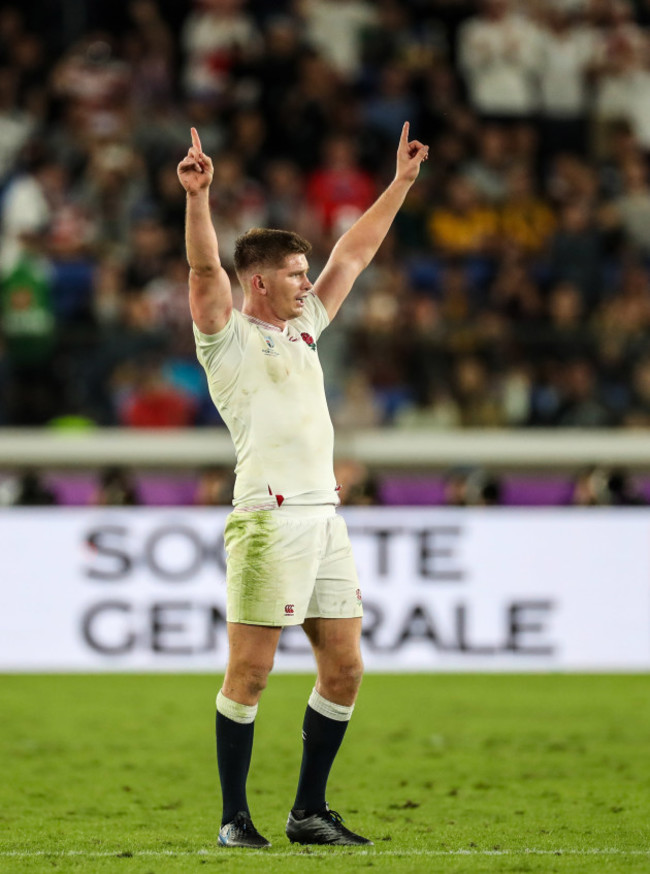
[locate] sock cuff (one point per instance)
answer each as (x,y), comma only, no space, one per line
(339,712)
(242,713)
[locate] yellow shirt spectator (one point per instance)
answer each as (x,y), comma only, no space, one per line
(463,225)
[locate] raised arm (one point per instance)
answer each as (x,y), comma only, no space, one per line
(210,292)
(357,247)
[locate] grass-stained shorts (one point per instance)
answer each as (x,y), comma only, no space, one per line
(289,564)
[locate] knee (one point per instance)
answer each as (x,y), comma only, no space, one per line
(246,680)
(340,682)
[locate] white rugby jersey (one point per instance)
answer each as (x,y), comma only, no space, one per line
(267,384)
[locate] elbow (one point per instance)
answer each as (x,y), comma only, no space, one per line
(357,264)
(354,261)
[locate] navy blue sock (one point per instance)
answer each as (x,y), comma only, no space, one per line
(234,751)
(322,738)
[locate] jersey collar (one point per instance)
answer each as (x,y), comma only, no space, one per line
(266,325)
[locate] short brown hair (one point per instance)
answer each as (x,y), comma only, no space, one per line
(266,247)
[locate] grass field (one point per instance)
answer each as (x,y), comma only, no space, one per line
(446,773)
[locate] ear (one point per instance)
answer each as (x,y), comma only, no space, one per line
(257,282)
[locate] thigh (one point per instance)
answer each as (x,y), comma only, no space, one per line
(333,638)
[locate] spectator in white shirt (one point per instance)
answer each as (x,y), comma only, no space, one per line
(567,51)
(619,57)
(499,57)
(334,28)
(214,35)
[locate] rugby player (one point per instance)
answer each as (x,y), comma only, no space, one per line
(289,560)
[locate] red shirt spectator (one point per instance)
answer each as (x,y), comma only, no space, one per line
(158,404)
(339,191)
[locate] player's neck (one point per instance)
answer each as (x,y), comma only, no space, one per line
(262,313)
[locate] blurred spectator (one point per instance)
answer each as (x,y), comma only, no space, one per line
(28,331)
(515,296)
(277,68)
(27,490)
(152,401)
(339,190)
(358,407)
(638,100)
(598,486)
(499,53)
(216,36)
(401,32)
(463,225)
(356,485)
(392,103)
(581,406)
(477,394)
(630,213)
(471,488)
(26,209)
(489,492)
(150,49)
(568,335)
(238,202)
(619,57)
(215,487)
(576,250)
(455,488)
(16,125)
(487,169)
(589,488)
(571,178)
(526,220)
(433,412)
(128,338)
(638,410)
(249,140)
(149,250)
(116,488)
(114,184)
(312,99)
(335,28)
(567,54)
(285,197)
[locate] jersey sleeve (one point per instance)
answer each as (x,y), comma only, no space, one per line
(221,355)
(314,318)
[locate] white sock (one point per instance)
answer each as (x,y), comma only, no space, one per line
(339,712)
(243,713)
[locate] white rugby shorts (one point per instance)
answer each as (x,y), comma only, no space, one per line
(289,564)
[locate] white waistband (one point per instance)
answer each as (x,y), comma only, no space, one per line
(307,511)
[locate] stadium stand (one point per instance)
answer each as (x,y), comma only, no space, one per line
(513,292)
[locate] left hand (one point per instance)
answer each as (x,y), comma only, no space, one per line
(409,156)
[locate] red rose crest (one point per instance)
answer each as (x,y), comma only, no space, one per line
(309,340)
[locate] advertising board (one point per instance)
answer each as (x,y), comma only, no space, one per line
(143,589)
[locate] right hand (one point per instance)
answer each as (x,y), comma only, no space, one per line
(195,171)
(410,155)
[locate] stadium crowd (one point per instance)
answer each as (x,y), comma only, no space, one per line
(513,291)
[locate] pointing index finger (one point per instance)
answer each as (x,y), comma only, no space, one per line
(404,138)
(196,142)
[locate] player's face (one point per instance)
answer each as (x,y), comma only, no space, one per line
(288,286)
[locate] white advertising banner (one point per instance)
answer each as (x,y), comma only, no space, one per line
(443,589)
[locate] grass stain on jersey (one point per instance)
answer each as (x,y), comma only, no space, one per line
(248,542)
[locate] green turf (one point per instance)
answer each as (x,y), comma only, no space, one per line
(447,774)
